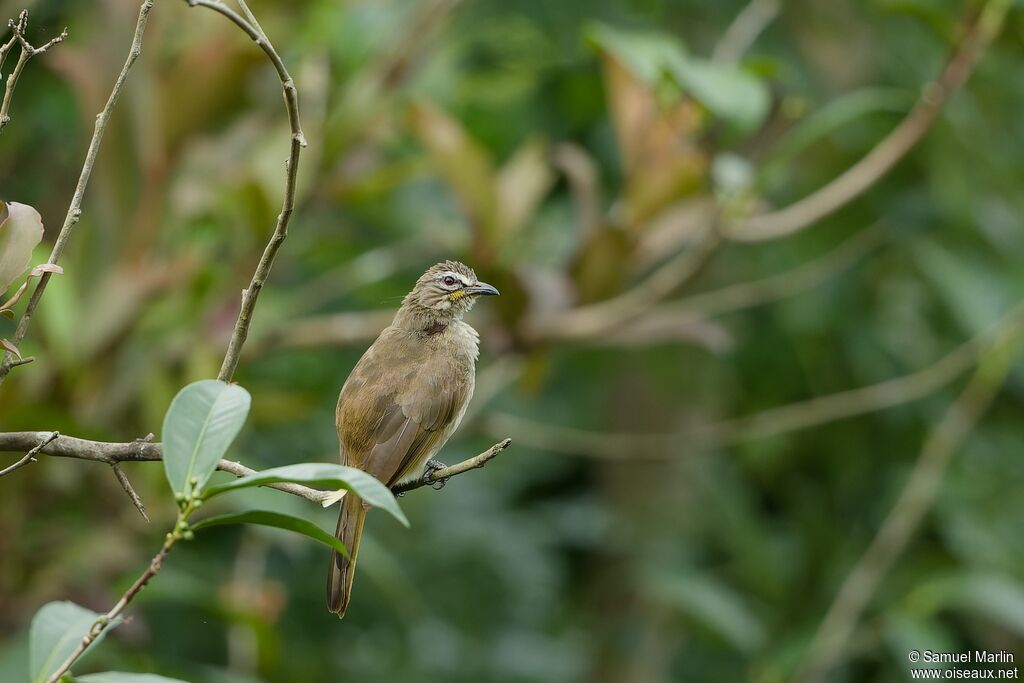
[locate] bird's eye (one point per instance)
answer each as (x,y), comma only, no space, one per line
(449,280)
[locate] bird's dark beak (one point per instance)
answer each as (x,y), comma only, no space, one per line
(482,288)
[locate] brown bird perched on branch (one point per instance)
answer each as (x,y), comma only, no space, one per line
(404,398)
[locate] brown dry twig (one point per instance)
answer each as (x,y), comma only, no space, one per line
(31,455)
(298,141)
(75,208)
(28,51)
(446,473)
(122,479)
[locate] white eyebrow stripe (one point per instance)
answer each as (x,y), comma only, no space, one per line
(458,276)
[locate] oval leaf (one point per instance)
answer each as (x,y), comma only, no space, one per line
(56,630)
(730,93)
(278,520)
(122,677)
(203,420)
(21,229)
(325,475)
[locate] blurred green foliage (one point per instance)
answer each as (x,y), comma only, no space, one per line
(565,150)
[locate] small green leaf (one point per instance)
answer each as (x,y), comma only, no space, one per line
(275,519)
(122,677)
(203,420)
(21,229)
(729,92)
(323,475)
(57,629)
(646,54)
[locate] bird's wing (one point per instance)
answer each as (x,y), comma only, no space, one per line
(392,415)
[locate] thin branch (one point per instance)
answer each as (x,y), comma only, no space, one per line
(22,361)
(122,479)
(113,453)
(744,30)
(913,504)
(298,141)
(31,455)
(771,422)
(5,48)
(445,473)
(27,52)
(240,470)
(887,153)
(75,209)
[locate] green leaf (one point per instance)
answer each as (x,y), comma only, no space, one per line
(730,93)
(275,519)
(646,54)
(324,475)
(57,628)
(122,677)
(21,229)
(201,423)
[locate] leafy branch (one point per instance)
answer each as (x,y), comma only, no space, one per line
(199,426)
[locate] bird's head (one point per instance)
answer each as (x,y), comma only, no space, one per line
(447,290)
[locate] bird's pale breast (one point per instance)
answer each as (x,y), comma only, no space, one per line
(405,398)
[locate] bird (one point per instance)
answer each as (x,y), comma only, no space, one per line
(404,399)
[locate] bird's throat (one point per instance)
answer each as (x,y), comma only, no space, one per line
(436,327)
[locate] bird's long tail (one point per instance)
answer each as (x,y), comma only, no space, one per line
(343,569)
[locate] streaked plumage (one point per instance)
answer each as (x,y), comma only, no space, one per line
(404,398)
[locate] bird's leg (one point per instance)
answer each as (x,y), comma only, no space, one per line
(433,466)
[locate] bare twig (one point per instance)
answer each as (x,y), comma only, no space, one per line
(912,505)
(5,48)
(880,160)
(31,455)
(452,470)
(75,209)
(744,30)
(298,141)
(27,52)
(771,422)
(22,361)
(122,479)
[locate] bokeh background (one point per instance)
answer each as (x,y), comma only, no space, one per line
(568,150)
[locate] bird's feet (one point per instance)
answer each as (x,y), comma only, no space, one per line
(433,466)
